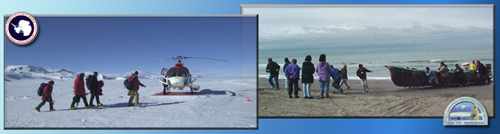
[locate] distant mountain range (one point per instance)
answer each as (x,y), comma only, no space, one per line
(18,72)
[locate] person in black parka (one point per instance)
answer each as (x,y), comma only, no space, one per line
(273,69)
(92,86)
(307,76)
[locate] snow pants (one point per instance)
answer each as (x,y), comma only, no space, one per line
(133,94)
(93,94)
(43,103)
(76,99)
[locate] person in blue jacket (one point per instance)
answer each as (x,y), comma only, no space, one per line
(336,76)
(292,73)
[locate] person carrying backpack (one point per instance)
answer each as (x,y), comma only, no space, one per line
(134,92)
(79,92)
(92,86)
(47,96)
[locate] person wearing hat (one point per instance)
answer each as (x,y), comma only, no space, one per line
(47,96)
(79,92)
(361,73)
(92,86)
(324,71)
(134,79)
(432,76)
(273,69)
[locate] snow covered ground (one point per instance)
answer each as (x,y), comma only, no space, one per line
(229,103)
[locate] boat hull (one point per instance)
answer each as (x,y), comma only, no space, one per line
(415,78)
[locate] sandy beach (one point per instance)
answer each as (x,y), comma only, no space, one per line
(384,99)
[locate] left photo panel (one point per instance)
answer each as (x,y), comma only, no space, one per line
(131,72)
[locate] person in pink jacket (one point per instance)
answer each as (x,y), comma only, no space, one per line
(137,83)
(324,71)
(79,92)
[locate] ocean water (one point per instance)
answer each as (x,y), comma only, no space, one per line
(377,60)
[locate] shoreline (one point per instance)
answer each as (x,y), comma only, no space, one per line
(384,99)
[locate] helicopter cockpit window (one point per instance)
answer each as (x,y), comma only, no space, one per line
(183,72)
(172,72)
(178,72)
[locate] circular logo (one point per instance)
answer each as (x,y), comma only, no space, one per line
(21,28)
(465,111)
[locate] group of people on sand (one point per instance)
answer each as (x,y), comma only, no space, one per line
(324,70)
(479,69)
(95,88)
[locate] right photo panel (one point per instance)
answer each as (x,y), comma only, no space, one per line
(374,61)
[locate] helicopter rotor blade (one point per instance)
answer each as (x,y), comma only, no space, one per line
(153,61)
(206,58)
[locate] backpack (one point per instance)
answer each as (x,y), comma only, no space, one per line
(128,85)
(40,89)
(87,83)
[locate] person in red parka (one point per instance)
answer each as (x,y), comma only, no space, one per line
(79,92)
(47,96)
(137,83)
(100,84)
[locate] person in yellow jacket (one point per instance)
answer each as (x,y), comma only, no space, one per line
(473,65)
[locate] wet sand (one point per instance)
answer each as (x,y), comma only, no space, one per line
(384,99)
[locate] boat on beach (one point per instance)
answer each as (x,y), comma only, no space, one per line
(406,77)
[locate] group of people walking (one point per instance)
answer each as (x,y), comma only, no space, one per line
(324,70)
(95,88)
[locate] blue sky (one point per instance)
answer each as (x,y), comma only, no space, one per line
(118,44)
(266,126)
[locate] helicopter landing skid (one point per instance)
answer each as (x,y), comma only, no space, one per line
(166,91)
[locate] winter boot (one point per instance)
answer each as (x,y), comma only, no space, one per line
(37,109)
(99,104)
(52,110)
(87,107)
(73,108)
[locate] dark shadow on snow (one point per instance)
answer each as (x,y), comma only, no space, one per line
(144,104)
(117,105)
(210,92)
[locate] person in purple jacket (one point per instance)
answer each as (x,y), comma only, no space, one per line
(324,71)
(292,73)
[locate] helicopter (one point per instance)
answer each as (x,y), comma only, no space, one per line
(178,77)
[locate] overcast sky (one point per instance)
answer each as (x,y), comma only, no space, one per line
(432,26)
